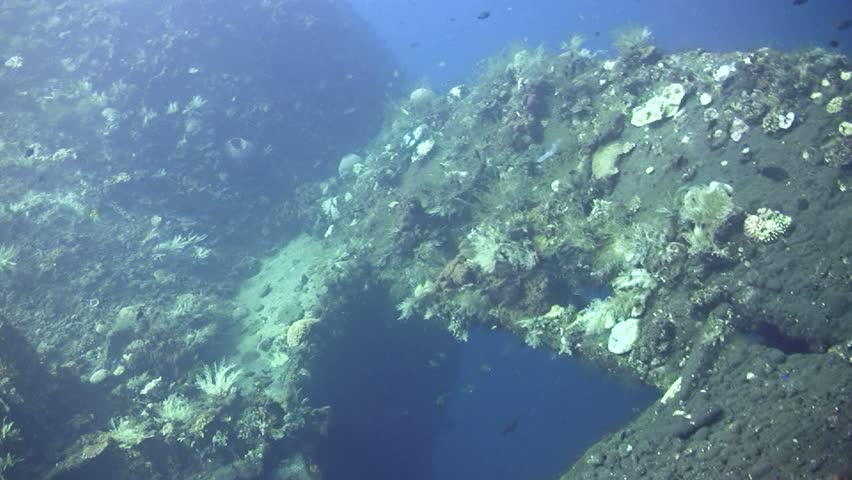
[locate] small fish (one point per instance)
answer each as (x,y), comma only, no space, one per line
(485,368)
(441,400)
(799,2)
(510,427)
(483,15)
(413,44)
(845,24)
(833,43)
(469,388)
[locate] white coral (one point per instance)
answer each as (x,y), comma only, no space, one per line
(179,242)
(423,150)
(766,225)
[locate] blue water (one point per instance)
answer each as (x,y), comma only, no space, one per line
(408,401)
(560,407)
(438,41)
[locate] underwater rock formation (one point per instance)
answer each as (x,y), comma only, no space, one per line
(701,196)
(696,294)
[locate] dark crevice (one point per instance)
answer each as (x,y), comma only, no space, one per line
(769,335)
(381,377)
(408,401)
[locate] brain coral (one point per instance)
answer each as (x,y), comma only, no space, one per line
(298,330)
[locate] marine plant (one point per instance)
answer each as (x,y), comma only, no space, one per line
(7,257)
(600,315)
(179,242)
(489,249)
(129,432)
(8,432)
(175,408)
(631,38)
(6,462)
(631,246)
(575,43)
(705,208)
(219,380)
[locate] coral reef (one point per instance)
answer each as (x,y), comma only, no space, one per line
(650,215)
(627,211)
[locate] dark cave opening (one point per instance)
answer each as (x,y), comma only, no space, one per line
(381,377)
(409,401)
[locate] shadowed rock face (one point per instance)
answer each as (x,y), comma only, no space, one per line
(153,84)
